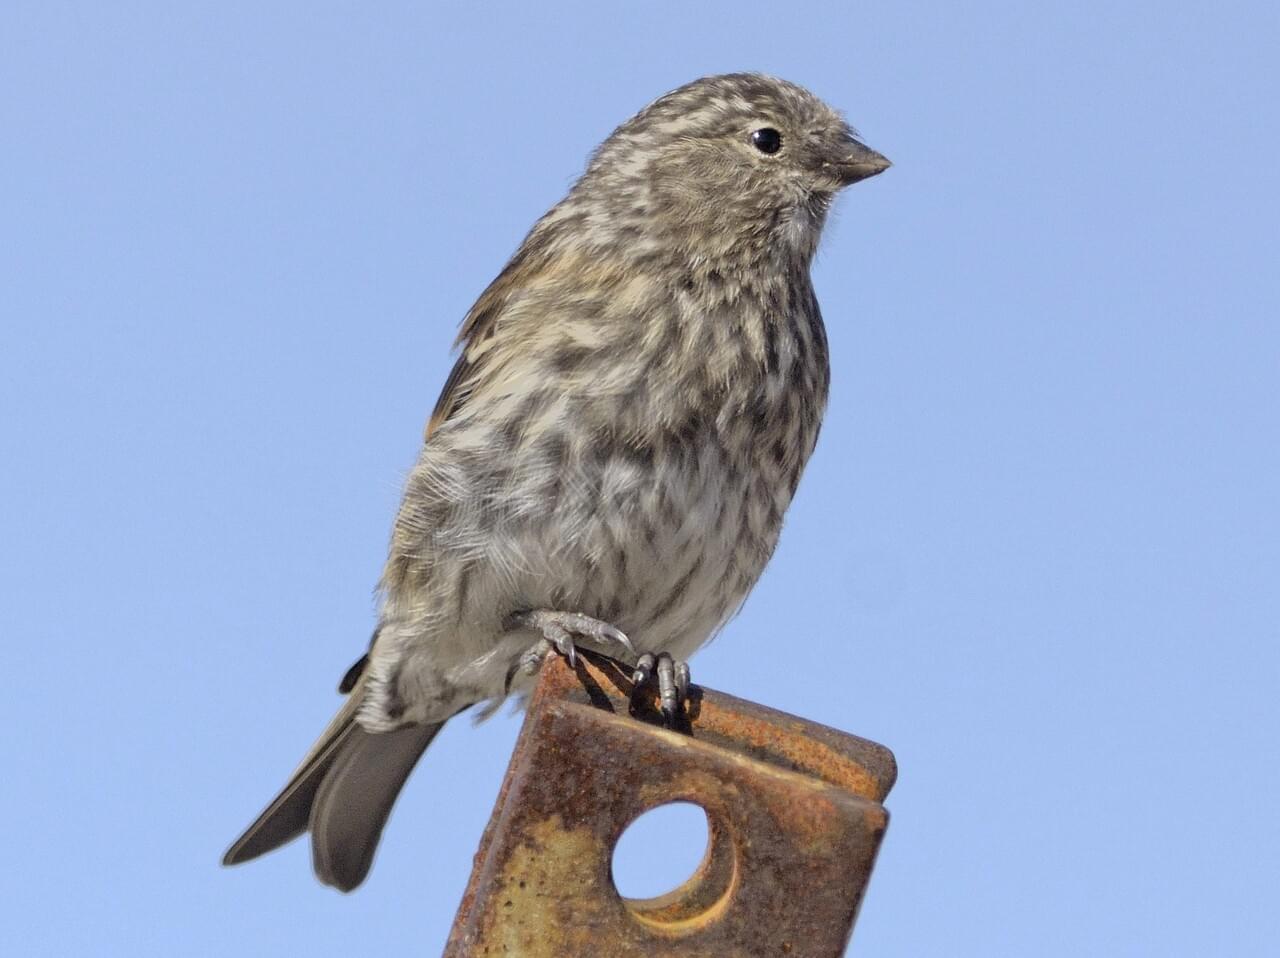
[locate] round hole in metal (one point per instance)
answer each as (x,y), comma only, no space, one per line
(660,850)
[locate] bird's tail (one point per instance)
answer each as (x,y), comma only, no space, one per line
(342,793)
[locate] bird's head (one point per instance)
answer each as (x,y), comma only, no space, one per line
(734,163)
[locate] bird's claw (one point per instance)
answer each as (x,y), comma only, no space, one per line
(558,630)
(673,683)
(682,681)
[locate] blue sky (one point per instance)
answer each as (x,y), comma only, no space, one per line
(1036,553)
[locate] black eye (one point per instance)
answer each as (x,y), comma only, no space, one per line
(767,140)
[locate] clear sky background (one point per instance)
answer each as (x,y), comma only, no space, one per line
(1036,553)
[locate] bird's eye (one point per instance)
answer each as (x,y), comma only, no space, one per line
(767,140)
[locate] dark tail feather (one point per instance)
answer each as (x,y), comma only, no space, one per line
(343,792)
(356,796)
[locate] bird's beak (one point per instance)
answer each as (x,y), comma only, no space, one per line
(856,161)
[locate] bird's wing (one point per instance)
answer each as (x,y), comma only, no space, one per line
(475,339)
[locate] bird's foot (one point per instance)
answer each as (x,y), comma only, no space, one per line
(673,683)
(558,630)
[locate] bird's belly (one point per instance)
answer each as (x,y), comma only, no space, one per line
(669,580)
(667,555)
(664,551)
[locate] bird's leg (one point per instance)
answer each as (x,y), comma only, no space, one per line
(558,630)
(673,682)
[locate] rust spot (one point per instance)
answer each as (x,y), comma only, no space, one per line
(794,817)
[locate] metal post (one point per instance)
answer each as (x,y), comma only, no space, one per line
(794,812)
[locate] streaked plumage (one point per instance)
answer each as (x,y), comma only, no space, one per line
(636,396)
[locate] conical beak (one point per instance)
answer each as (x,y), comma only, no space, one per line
(858,161)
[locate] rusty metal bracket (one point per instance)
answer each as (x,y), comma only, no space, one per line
(794,816)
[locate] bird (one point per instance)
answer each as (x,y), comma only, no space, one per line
(610,459)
